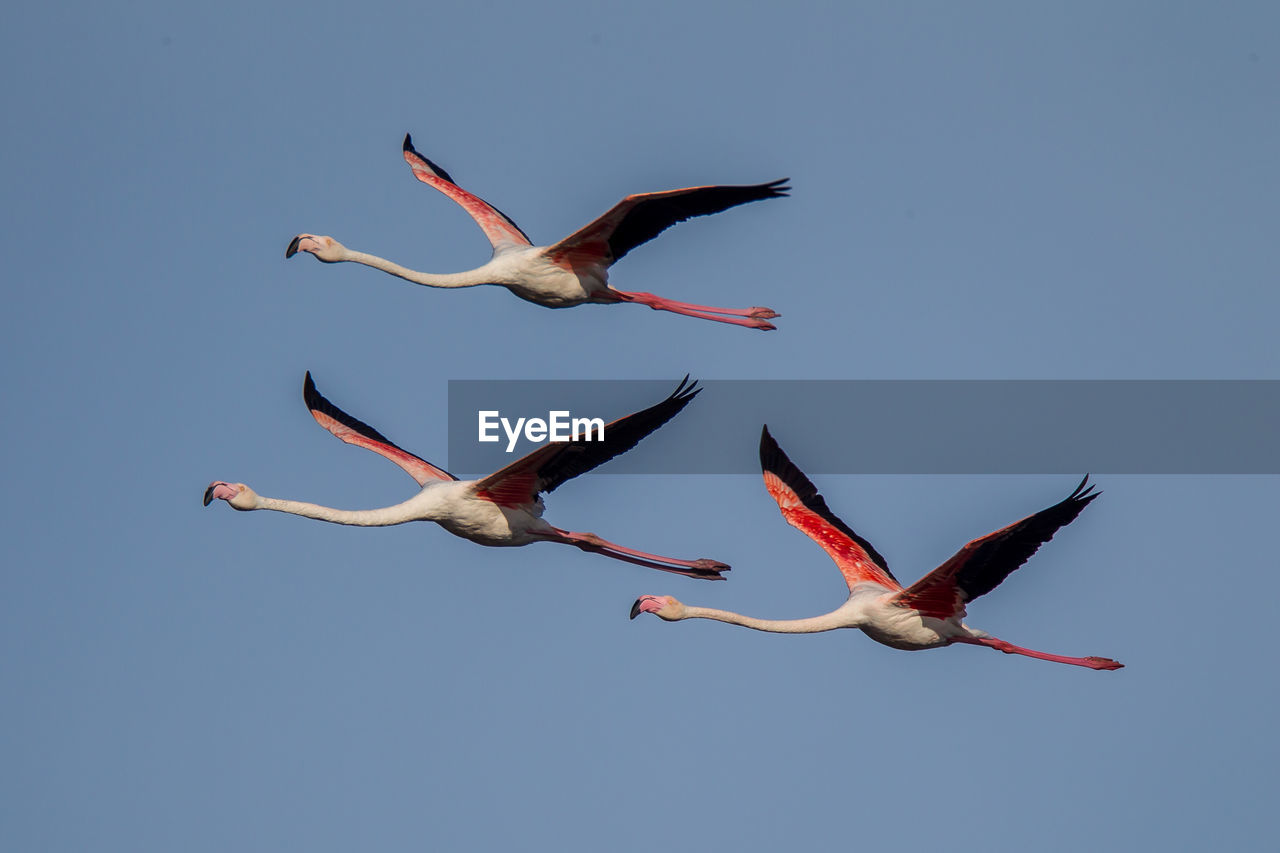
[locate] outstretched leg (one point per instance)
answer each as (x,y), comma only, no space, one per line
(754,318)
(1011,649)
(702,568)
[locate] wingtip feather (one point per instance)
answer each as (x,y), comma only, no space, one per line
(685,391)
(310,395)
(1084,492)
(772,457)
(433,167)
(778,188)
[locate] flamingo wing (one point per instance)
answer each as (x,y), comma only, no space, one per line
(639,218)
(360,434)
(557,462)
(807,511)
(984,563)
(502,232)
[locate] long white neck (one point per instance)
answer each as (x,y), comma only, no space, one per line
(812,625)
(384,517)
(459,279)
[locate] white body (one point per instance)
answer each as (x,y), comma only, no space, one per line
(869,607)
(455,508)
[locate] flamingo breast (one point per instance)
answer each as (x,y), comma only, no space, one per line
(456,508)
(893,625)
(532,276)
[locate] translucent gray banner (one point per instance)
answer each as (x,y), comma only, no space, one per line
(899,426)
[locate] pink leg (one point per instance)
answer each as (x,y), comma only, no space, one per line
(703,568)
(755,317)
(1011,649)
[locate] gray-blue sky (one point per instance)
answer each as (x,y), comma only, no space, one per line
(986,191)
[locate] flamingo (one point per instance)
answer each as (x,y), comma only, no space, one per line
(575,270)
(503,509)
(925,615)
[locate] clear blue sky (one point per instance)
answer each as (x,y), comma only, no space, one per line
(981,191)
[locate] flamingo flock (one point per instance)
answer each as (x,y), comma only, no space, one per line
(505,509)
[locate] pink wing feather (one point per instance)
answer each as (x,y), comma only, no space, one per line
(496,225)
(360,434)
(807,511)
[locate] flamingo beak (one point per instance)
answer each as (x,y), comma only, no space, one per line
(219,491)
(293,247)
(635,608)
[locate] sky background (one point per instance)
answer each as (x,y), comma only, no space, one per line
(980,191)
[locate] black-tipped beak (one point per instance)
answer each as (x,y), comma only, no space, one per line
(635,608)
(208,498)
(293,247)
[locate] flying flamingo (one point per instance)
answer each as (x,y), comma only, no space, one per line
(575,270)
(926,614)
(503,509)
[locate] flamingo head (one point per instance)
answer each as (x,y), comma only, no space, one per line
(238,495)
(325,249)
(664,606)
